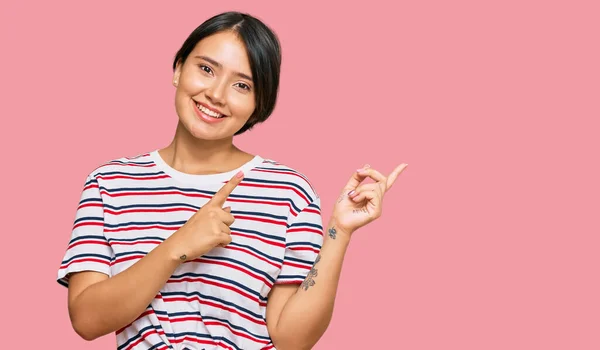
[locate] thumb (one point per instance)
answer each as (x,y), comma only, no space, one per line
(227,209)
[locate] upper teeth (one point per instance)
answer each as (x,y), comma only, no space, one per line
(208,111)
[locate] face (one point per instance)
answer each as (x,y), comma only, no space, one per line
(214,95)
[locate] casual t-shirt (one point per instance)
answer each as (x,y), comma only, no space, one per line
(130,205)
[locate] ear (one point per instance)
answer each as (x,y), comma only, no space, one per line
(176,74)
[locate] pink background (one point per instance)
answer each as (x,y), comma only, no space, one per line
(489,239)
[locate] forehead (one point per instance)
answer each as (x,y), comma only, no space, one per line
(227,49)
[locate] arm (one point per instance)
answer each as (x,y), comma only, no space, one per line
(297,317)
(99,305)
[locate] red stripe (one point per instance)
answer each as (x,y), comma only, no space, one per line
(304,248)
(289,282)
(203,280)
(88,241)
(92,185)
(218,306)
(277,244)
(81,260)
(141,241)
(134,165)
(142,177)
(143,337)
(85,205)
(155,193)
(157,210)
(305,229)
(222,263)
(133,228)
(285,262)
(281,187)
(127,258)
(85,223)
(253,218)
(253,254)
(144,314)
(195,340)
(289,172)
(247,336)
(312,210)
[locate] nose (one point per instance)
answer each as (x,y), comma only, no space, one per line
(216,92)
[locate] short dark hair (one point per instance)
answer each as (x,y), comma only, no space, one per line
(264,53)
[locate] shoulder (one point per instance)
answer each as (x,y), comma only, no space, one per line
(137,163)
(273,173)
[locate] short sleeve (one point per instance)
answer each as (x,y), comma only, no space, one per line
(88,249)
(304,238)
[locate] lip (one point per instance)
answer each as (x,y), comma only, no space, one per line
(206,118)
(211,108)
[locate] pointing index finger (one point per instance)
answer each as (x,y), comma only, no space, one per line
(394,175)
(221,196)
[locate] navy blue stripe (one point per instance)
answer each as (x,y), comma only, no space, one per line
(139,335)
(237,262)
(275,238)
(141,205)
(156,346)
(313,205)
(104,257)
(256,251)
(88,200)
(135,239)
(221,279)
(287,183)
(307,262)
(91,181)
(80,238)
(238,328)
(208,297)
(303,244)
(191,190)
(200,335)
(253,213)
(88,218)
(277,169)
(291,277)
(306,224)
(131,252)
(108,173)
(122,162)
(145,223)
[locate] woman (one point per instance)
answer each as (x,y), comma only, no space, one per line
(200,245)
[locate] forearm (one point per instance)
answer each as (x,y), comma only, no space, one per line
(307,314)
(109,305)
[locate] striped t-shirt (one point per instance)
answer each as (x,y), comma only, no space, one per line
(218,301)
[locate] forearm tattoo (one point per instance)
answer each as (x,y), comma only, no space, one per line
(309,281)
(332,232)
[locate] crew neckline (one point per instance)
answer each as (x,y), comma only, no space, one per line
(202,178)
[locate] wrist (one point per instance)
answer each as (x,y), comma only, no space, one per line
(175,253)
(336,233)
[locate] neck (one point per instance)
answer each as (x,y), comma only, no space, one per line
(194,156)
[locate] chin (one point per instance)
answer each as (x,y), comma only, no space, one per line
(203,131)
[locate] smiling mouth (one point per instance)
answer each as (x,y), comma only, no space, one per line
(208,112)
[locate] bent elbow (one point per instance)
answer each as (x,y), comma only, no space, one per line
(84,328)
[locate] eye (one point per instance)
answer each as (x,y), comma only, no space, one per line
(206,69)
(243,86)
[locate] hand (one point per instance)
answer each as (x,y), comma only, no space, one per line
(208,227)
(360,204)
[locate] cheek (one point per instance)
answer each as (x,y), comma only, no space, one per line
(242,106)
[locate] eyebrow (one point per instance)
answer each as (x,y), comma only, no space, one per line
(213,62)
